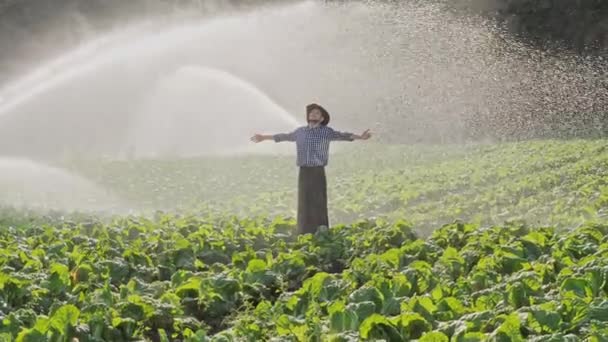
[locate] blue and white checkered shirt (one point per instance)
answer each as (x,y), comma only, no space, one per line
(312,143)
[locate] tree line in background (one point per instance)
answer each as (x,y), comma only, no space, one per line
(577,28)
(580,26)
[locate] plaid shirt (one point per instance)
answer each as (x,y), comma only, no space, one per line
(312,143)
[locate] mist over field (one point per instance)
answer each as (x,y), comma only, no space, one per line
(135,205)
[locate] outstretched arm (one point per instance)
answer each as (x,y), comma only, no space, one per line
(256,138)
(276,137)
(347,136)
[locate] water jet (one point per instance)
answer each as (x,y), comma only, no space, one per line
(26,183)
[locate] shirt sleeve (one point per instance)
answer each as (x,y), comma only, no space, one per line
(341,136)
(291,136)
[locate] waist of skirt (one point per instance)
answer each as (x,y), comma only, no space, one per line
(312,167)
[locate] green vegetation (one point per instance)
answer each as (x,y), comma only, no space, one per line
(557,183)
(221,278)
(222,262)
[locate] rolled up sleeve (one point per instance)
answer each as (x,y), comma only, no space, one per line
(284,137)
(341,136)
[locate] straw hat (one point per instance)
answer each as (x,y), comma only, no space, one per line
(324,113)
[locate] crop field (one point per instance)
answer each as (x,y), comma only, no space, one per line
(501,242)
(556,183)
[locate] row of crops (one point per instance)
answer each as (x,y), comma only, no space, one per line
(463,243)
(225,279)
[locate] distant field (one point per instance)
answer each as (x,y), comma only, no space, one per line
(557,183)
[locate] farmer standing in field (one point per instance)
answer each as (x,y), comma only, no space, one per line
(312,143)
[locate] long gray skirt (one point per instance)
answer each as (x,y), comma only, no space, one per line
(312,199)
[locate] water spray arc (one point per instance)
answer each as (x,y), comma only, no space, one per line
(204,86)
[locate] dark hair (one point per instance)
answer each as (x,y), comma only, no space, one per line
(324,113)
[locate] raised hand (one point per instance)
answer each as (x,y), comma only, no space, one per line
(365,135)
(256,138)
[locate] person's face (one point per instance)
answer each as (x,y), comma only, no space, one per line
(315,116)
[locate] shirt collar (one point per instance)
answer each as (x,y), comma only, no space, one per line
(313,127)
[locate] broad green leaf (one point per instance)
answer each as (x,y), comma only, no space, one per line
(597,279)
(315,285)
(256,265)
(412,325)
(534,244)
(337,306)
(337,321)
(60,277)
(43,323)
(453,261)
(517,295)
(438,293)
(163,335)
(599,312)
(263,308)
(579,287)
(181,243)
(179,277)
(379,327)
(423,306)
(543,321)
(419,274)
(190,286)
(396,286)
(450,308)
(341,318)
(287,325)
(199,336)
(30,335)
(64,317)
(512,263)
(477,321)
(472,337)
(434,336)
(392,257)
(367,294)
(558,337)
(344,337)
(509,330)
(362,309)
